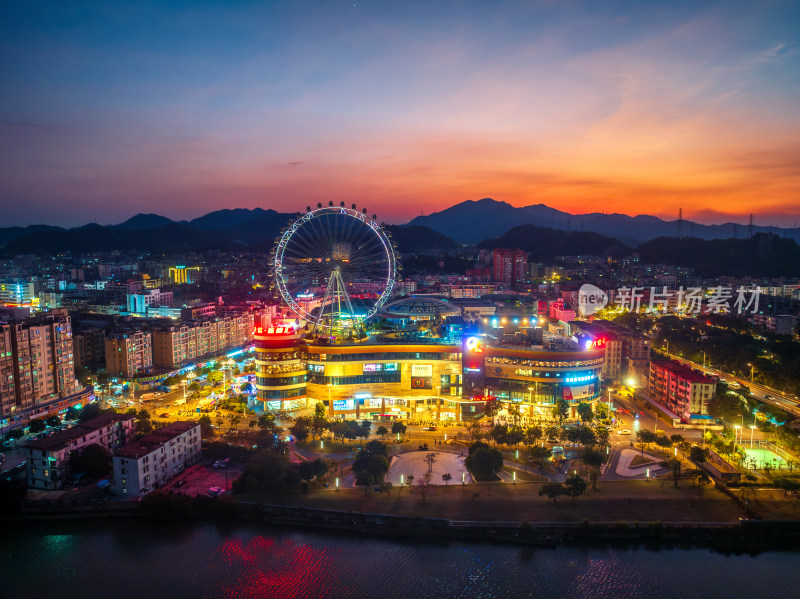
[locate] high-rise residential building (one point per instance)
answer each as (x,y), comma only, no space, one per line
(173,345)
(149,462)
(89,347)
(48,459)
(509,266)
(683,391)
(36,364)
(129,353)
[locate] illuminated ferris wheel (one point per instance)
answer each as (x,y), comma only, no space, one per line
(338,260)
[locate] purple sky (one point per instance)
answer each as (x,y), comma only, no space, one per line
(181,108)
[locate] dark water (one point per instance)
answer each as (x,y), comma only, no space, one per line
(128,559)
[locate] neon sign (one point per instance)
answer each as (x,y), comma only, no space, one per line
(595,343)
(474,344)
(275,331)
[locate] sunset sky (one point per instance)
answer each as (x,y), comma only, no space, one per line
(180,108)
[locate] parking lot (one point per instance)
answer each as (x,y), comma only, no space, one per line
(202,476)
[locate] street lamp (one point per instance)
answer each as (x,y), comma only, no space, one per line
(736,436)
(751,372)
(752,428)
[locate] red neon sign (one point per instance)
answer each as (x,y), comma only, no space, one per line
(274,331)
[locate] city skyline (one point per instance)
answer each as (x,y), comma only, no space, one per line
(406,109)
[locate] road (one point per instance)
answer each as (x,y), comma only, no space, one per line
(761,392)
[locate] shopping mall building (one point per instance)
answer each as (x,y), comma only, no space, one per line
(387,378)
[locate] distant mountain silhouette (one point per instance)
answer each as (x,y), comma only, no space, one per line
(763,255)
(220,220)
(472,221)
(240,230)
(544,244)
(173,238)
(142,222)
(9,234)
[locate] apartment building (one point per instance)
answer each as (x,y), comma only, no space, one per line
(174,345)
(140,302)
(129,353)
(683,391)
(48,459)
(148,463)
(89,347)
(36,362)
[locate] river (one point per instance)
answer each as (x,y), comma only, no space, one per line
(119,560)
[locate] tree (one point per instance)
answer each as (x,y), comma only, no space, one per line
(492,408)
(94,461)
(676,440)
(499,434)
(267,469)
(424,487)
(301,428)
(431,460)
(539,455)
(206,428)
(194,387)
(72,413)
(371,464)
(15,433)
(131,412)
(474,430)
(675,467)
(560,410)
(515,436)
(36,425)
(382,432)
(551,432)
(532,435)
(53,420)
(364,429)
(514,413)
(235,422)
(214,377)
(576,485)
(698,454)
(663,441)
(585,412)
(247,387)
(446,477)
(702,481)
(594,474)
(319,424)
(398,428)
(484,463)
(552,490)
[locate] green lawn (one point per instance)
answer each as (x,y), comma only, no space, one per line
(612,501)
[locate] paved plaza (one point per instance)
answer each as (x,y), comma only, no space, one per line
(413,463)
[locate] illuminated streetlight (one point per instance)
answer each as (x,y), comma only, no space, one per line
(752,428)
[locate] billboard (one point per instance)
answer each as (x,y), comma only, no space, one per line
(473,362)
(422,376)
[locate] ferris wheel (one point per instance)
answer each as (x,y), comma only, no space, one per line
(339,260)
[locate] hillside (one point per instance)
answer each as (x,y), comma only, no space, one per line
(544,244)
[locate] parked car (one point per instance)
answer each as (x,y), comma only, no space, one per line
(180,483)
(164,415)
(217,463)
(214,491)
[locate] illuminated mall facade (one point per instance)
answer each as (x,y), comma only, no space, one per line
(422,380)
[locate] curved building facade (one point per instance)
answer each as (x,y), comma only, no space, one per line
(420,381)
(280,368)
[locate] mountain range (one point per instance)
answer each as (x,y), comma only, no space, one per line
(542,231)
(473,221)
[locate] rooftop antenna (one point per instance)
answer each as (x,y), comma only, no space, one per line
(680,223)
(750,228)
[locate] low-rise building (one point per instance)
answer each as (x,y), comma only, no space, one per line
(48,459)
(148,463)
(681,390)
